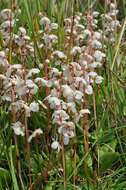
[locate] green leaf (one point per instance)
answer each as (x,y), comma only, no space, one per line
(107,160)
(12,170)
(49,186)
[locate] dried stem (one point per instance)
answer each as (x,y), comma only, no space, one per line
(95,149)
(64,165)
(85,127)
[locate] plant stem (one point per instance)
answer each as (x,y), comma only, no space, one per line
(64,165)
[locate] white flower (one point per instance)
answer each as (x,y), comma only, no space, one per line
(54,102)
(16,106)
(59,116)
(115,24)
(89,90)
(34,107)
(92,74)
(78,95)
(75,50)
(7,24)
(80,82)
(59,54)
(97,35)
(99,55)
(98,79)
(42,81)
(49,39)
(6,14)
(95,64)
(54,72)
(95,14)
(18,129)
(71,106)
(22,31)
(84,111)
(54,26)
(87,33)
(96,44)
(67,91)
(55,145)
(34,134)
(32,86)
(83,63)
(45,21)
(66,140)
(2,54)
(16,66)
(33,72)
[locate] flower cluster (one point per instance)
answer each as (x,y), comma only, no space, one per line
(72,71)
(111,23)
(67,75)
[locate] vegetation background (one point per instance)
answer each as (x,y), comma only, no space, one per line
(110,101)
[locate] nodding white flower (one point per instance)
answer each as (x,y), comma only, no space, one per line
(97,35)
(22,31)
(21,88)
(71,106)
(32,86)
(3,60)
(6,14)
(66,140)
(34,107)
(59,54)
(33,72)
(112,6)
(16,66)
(67,91)
(54,26)
(95,14)
(18,129)
(54,72)
(54,102)
(2,77)
(96,44)
(59,116)
(98,79)
(75,50)
(41,81)
(45,21)
(78,95)
(115,24)
(83,63)
(80,81)
(34,134)
(55,145)
(16,106)
(8,24)
(84,111)
(26,38)
(92,74)
(89,90)
(95,64)
(2,54)
(87,33)
(99,55)
(67,130)
(50,39)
